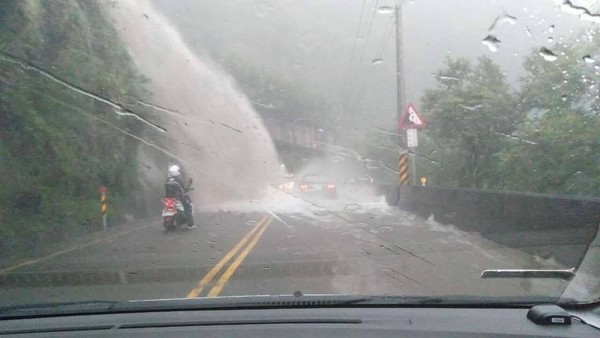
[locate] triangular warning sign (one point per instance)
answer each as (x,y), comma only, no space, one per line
(410,118)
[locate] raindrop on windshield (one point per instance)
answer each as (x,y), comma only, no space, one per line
(510,19)
(564,97)
(377,61)
(491,42)
(550,40)
(502,19)
(588,59)
(551,29)
(385,9)
(547,54)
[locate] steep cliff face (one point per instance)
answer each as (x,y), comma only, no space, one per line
(65,81)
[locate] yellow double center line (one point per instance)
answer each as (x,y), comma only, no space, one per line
(251,238)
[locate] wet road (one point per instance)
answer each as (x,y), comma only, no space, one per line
(277,246)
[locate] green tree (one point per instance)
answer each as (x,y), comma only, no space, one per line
(470,112)
(557,150)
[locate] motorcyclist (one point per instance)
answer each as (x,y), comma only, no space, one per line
(174,189)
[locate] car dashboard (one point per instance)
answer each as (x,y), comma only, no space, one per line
(301,322)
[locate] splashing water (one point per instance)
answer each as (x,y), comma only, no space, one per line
(212,127)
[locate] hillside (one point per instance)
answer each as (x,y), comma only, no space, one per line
(65,83)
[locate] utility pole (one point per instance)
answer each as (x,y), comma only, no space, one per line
(401,87)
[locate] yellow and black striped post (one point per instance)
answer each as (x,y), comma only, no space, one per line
(103,206)
(403,168)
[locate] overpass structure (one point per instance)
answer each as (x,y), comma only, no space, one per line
(299,132)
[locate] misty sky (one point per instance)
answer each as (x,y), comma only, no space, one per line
(330,48)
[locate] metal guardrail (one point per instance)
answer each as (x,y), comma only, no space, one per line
(561,227)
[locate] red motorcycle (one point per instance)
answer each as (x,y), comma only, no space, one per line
(174,214)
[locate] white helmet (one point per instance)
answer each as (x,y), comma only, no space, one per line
(174,170)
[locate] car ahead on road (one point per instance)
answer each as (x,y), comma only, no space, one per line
(316,185)
(283,183)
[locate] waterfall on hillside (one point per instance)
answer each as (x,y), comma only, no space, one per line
(212,128)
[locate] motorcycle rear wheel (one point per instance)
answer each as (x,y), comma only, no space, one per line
(169,224)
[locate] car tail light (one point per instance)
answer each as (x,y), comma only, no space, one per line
(331,186)
(304,187)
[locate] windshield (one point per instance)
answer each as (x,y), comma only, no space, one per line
(179,149)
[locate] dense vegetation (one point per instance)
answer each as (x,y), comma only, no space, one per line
(58,144)
(543,137)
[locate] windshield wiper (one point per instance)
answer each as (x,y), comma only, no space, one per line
(220,303)
(261,302)
(450,301)
(50,309)
(566,274)
(392,300)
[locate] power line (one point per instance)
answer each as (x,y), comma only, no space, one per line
(386,38)
(364,49)
(362,10)
(366,42)
(379,51)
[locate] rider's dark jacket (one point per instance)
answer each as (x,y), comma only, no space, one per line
(174,188)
